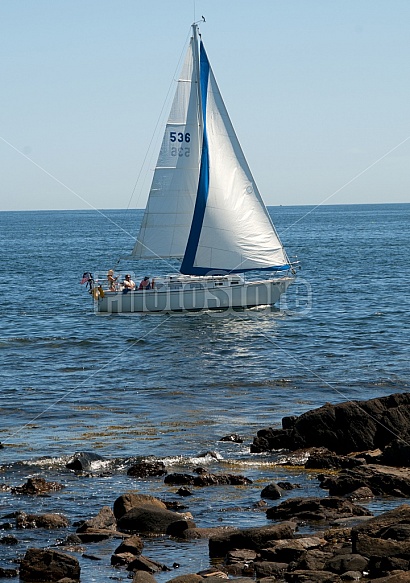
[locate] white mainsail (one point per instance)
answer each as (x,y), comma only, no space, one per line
(168,214)
(204,204)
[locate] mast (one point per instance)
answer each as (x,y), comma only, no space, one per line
(196,78)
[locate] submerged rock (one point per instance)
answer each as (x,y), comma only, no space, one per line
(206,479)
(146,469)
(37,487)
(82,461)
(272,492)
(232,437)
(48,521)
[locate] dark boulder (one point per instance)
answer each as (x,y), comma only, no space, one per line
(125,502)
(151,519)
(184,492)
(315,509)
(221,480)
(179,479)
(272,492)
(206,479)
(40,565)
(82,461)
(347,427)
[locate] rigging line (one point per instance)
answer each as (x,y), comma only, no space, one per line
(348,182)
(336,390)
(66,394)
(158,121)
(65,186)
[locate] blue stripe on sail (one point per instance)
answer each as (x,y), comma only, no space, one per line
(187,266)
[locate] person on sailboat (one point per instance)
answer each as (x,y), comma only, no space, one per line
(145,283)
(111,280)
(128,283)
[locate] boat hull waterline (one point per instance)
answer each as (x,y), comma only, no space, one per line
(188,299)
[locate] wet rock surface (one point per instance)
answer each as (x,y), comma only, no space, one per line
(327,538)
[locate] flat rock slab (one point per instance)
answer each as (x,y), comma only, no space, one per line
(380,480)
(249,538)
(315,509)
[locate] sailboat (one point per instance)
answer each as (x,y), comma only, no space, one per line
(204,209)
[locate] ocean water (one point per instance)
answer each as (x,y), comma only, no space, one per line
(170,386)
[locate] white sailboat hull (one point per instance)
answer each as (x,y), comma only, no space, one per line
(185,296)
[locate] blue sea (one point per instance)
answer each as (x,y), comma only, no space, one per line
(168,387)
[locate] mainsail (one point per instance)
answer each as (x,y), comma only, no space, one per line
(204,204)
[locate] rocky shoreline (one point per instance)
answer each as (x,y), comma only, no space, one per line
(360,451)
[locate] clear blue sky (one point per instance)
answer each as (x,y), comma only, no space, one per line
(317,90)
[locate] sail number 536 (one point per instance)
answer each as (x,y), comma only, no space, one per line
(179,137)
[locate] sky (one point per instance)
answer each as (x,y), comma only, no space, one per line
(318,92)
